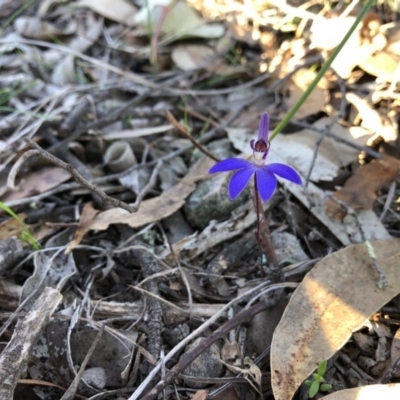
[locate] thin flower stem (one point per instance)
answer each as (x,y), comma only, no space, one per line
(263,237)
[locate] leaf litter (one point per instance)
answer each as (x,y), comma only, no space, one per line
(109,89)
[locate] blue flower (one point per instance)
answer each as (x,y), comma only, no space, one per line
(264,173)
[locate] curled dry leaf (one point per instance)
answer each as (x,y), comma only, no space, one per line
(334,300)
(359,191)
(387,392)
(159,207)
(119,156)
(88,213)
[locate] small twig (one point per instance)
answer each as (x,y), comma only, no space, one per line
(76,175)
(149,186)
(183,130)
(199,116)
(37,382)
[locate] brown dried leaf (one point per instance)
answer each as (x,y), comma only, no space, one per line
(334,300)
(359,191)
(314,103)
(200,395)
(387,392)
(157,208)
(88,214)
(38,182)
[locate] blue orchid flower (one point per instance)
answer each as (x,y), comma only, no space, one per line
(265,174)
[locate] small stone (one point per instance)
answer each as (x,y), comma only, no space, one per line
(365,343)
(96,377)
(210,200)
(207,365)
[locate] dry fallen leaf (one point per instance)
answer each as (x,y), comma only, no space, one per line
(117,10)
(36,182)
(359,191)
(88,213)
(372,392)
(372,120)
(188,57)
(314,103)
(157,208)
(334,300)
(180,21)
(381,64)
(200,395)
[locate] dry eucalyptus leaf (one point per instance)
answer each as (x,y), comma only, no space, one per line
(371,392)
(200,395)
(35,28)
(188,57)
(334,300)
(381,64)
(371,119)
(117,10)
(135,133)
(315,101)
(157,208)
(37,182)
(359,191)
(88,213)
(180,21)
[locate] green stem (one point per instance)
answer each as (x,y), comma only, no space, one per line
(321,72)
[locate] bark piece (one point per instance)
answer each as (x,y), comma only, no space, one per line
(14,358)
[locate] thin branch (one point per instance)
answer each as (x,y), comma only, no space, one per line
(149,186)
(76,175)
(183,130)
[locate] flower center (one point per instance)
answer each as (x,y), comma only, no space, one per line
(260,151)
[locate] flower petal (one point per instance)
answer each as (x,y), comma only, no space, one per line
(266,183)
(230,164)
(239,181)
(284,171)
(263,128)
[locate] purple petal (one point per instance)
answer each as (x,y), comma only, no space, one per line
(284,171)
(230,164)
(266,183)
(263,129)
(239,181)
